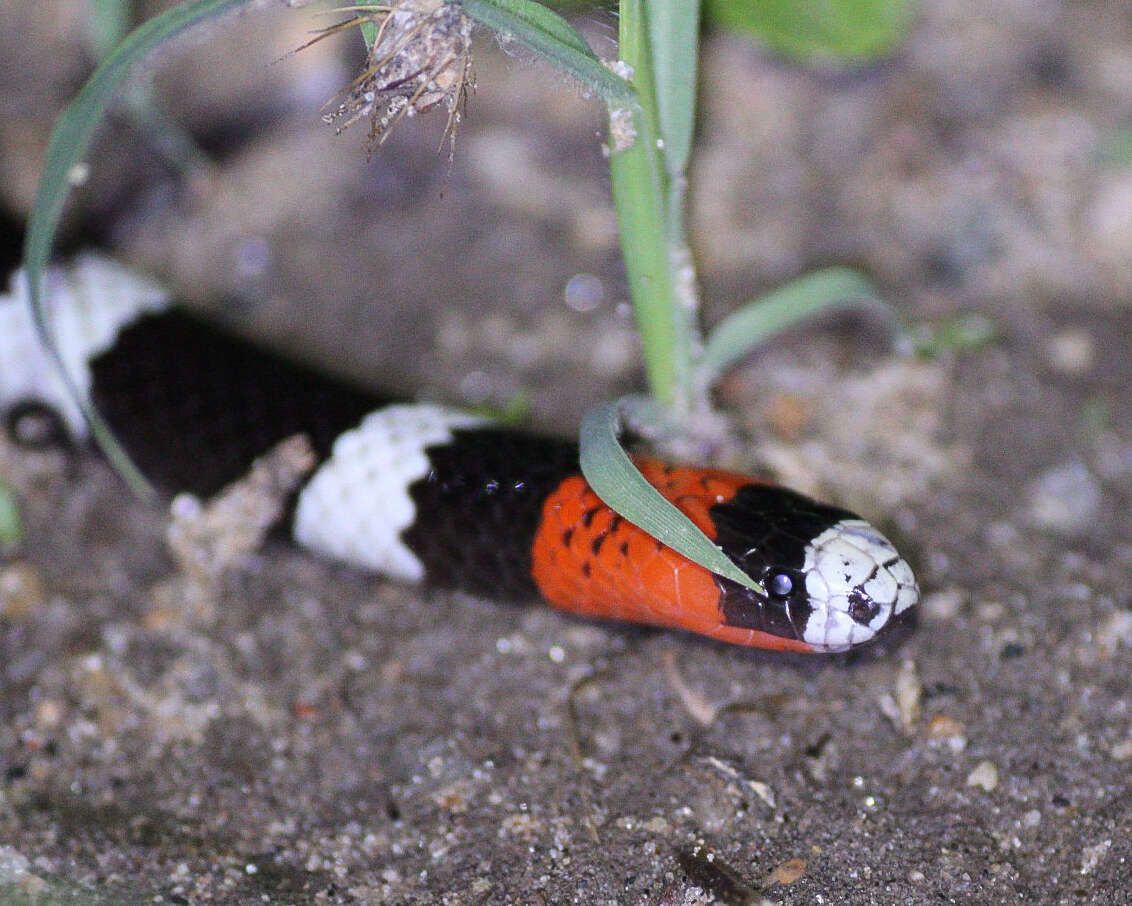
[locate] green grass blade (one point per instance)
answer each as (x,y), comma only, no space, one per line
(554,39)
(108,21)
(69,142)
(369,29)
(748,326)
(643,225)
(614,478)
(540,17)
(11,528)
(964,332)
(674,34)
(640,194)
(817,30)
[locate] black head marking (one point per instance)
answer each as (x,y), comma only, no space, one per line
(764,527)
(765,530)
(744,607)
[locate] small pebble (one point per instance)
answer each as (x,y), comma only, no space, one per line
(984,775)
(763,791)
(943,605)
(1064,499)
(1092,855)
(909,690)
(1114,632)
(902,705)
(1122,751)
(948,730)
(21,590)
(787,872)
(991,611)
(48,714)
(1071,351)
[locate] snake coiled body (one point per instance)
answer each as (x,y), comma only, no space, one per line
(423,492)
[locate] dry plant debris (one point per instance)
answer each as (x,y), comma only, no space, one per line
(208,538)
(420,59)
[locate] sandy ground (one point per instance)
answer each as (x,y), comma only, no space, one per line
(313,735)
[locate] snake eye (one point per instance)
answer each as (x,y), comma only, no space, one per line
(779,584)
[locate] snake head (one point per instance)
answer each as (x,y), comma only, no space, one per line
(832,581)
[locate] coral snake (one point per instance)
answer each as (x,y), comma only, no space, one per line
(427,493)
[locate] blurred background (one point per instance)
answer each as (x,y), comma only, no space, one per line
(968,160)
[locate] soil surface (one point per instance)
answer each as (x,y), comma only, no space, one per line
(308,734)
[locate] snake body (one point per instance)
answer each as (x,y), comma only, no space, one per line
(422,492)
